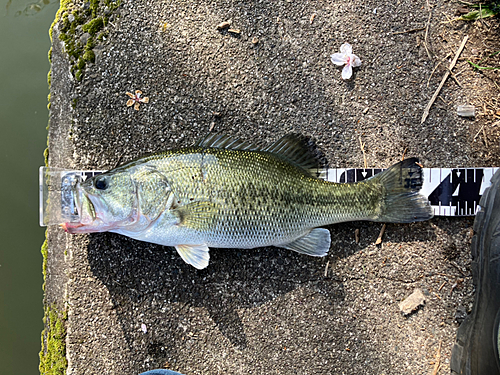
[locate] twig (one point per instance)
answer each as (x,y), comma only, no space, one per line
(437,364)
(480,130)
(455,285)
(485,140)
(379,239)
(356,235)
(444,101)
(433,70)
(326,268)
(441,287)
(454,76)
(458,268)
(446,74)
(426,34)
(408,31)
(363,151)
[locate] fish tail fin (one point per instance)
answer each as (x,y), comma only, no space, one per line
(401,201)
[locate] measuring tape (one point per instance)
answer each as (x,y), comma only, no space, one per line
(451,191)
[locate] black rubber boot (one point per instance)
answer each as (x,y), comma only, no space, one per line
(476,350)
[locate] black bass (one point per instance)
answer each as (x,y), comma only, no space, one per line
(223,192)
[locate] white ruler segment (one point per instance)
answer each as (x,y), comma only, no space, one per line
(451,191)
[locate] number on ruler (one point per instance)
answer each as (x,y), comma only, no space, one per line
(459,189)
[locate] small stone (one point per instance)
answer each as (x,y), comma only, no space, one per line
(255,40)
(412,302)
(84,38)
(466,110)
(460,314)
(223,25)
(234,31)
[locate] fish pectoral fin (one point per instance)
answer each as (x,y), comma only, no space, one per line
(316,243)
(195,255)
(197,215)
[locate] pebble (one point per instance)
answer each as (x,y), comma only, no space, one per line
(412,302)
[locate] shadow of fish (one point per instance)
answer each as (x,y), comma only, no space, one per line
(226,193)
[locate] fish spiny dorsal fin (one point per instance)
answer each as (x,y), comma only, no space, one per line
(294,148)
(301,151)
(229,142)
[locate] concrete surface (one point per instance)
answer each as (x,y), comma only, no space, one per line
(134,306)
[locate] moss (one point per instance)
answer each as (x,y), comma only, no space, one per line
(92,21)
(63,6)
(94,26)
(53,354)
(89,56)
(46,156)
(44,249)
(53,348)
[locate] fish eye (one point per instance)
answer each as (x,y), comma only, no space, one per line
(101,183)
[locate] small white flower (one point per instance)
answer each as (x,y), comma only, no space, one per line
(347,58)
(144,329)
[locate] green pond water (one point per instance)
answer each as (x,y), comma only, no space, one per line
(24,66)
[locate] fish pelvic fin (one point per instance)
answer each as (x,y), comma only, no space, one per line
(195,255)
(401,201)
(316,243)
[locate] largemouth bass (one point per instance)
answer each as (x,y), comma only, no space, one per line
(226,193)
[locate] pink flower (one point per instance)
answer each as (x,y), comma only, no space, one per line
(136,98)
(347,58)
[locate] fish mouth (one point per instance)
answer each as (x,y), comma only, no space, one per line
(91,215)
(88,219)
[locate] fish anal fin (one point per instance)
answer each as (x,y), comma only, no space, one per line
(316,243)
(195,255)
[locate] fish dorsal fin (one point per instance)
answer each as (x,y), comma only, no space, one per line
(301,151)
(316,243)
(195,255)
(214,140)
(294,148)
